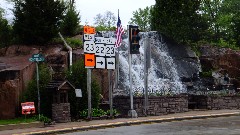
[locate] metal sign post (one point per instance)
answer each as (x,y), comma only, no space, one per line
(110,93)
(37,58)
(147,59)
(131,113)
(89,74)
(38,91)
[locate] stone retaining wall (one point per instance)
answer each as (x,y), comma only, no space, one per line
(215,102)
(61,112)
(157,105)
(223,102)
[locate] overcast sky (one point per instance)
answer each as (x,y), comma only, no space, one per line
(90,8)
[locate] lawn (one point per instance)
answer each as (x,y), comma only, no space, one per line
(17,121)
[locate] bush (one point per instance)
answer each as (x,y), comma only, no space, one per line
(78,77)
(31,95)
(42,118)
(74,42)
(97,113)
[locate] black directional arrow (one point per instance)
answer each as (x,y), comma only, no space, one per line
(110,63)
(90,60)
(100,62)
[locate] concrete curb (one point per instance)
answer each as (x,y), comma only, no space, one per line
(128,123)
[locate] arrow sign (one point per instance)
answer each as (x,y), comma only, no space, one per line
(110,63)
(90,60)
(100,62)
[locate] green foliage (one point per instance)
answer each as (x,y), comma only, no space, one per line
(141,17)
(31,95)
(223,18)
(5,31)
(70,25)
(43,119)
(206,74)
(74,42)
(78,77)
(17,120)
(179,20)
(96,112)
(37,21)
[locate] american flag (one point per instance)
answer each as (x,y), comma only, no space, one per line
(119,32)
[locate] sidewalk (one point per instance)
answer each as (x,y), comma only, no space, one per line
(95,124)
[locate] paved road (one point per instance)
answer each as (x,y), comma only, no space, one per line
(210,126)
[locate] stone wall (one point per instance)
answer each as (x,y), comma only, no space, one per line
(223,102)
(61,112)
(157,105)
(214,102)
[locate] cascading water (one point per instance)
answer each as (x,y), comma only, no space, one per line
(163,77)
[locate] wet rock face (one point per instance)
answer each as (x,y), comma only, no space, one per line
(185,59)
(221,59)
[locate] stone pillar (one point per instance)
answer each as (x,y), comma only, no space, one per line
(61,112)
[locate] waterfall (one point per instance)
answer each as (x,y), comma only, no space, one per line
(163,76)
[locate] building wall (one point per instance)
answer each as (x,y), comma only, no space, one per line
(12,85)
(8,98)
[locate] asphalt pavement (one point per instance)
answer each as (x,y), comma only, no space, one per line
(97,124)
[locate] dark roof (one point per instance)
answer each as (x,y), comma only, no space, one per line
(58,84)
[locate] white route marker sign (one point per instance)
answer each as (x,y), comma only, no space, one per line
(100,62)
(110,63)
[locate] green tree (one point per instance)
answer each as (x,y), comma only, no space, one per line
(223,18)
(179,20)
(141,17)
(105,22)
(5,31)
(71,21)
(37,21)
(78,77)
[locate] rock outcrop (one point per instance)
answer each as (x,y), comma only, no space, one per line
(222,61)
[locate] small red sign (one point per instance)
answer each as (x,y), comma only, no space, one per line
(28,108)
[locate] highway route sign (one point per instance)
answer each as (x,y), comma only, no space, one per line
(89,60)
(100,62)
(100,49)
(89,47)
(111,63)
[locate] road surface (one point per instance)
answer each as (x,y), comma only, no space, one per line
(210,126)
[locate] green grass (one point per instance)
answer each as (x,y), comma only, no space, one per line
(17,121)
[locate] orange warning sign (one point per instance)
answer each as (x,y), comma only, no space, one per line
(28,108)
(89,60)
(89,30)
